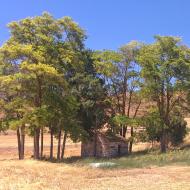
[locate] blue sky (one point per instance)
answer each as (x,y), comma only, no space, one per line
(108,23)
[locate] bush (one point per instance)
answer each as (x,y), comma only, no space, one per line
(176,130)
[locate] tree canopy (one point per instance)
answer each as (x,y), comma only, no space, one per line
(50,82)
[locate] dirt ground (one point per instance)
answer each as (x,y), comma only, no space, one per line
(8,147)
(41,175)
(30,175)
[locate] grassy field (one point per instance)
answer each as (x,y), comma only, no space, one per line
(30,175)
(8,147)
(144,170)
(143,159)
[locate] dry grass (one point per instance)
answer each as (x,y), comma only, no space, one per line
(30,175)
(8,146)
(42,175)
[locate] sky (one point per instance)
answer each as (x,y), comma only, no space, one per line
(108,23)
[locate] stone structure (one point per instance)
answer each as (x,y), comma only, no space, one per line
(103,145)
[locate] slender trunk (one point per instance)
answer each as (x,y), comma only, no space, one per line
(38,104)
(117,96)
(51,145)
(124,131)
(129,103)
(163,145)
(19,143)
(59,145)
(124,94)
(95,144)
(132,128)
(36,143)
(128,113)
(22,141)
(42,142)
(131,141)
(124,90)
(63,145)
(34,149)
(121,131)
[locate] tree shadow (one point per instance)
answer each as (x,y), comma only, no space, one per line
(69,160)
(185,146)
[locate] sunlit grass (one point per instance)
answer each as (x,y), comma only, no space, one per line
(145,159)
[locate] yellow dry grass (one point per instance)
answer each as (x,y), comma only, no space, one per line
(41,175)
(8,146)
(188,122)
(32,175)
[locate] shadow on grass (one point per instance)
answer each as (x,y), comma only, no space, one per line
(69,160)
(186,146)
(140,159)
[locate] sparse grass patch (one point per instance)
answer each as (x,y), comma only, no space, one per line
(141,160)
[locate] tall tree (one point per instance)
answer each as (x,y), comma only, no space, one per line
(42,49)
(162,63)
(120,70)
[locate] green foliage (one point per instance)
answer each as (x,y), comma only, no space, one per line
(162,63)
(118,121)
(3,125)
(49,79)
(91,96)
(36,61)
(154,126)
(178,130)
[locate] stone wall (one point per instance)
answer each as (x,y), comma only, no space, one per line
(104,148)
(88,148)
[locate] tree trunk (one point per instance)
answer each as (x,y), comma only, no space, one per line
(34,149)
(163,142)
(95,144)
(22,141)
(19,143)
(36,143)
(131,141)
(63,145)
(51,145)
(132,128)
(38,104)
(123,131)
(42,142)
(59,145)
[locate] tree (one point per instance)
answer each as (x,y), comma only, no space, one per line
(161,63)
(41,49)
(153,127)
(120,71)
(91,95)
(12,106)
(62,109)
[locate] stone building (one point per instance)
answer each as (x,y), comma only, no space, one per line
(104,145)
